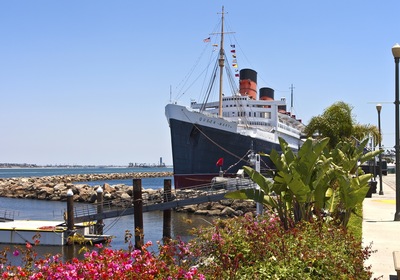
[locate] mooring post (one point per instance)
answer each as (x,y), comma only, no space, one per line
(167,212)
(138,212)
(99,223)
(70,213)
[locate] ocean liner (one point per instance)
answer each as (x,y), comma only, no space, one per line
(217,138)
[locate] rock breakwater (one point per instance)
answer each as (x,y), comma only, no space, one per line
(54,188)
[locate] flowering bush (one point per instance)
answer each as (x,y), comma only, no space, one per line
(239,248)
(105,264)
(260,248)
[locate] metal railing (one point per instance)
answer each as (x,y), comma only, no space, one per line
(6,215)
(184,195)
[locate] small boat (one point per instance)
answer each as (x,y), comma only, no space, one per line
(51,233)
(22,231)
(223,134)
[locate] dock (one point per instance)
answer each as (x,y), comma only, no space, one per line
(52,233)
(22,231)
(87,221)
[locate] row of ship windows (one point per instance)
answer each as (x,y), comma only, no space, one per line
(240,105)
(247,105)
(264,115)
(259,123)
(235,98)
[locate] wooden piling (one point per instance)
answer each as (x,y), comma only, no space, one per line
(70,210)
(138,212)
(99,223)
(70,217)
(167,213)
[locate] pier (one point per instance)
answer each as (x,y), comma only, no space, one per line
(111,202)
(174,198)
(100,211)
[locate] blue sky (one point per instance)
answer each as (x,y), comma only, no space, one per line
(86,82)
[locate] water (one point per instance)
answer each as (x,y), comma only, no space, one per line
(181,223)
(40,172)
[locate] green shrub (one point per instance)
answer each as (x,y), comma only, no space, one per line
(260,248)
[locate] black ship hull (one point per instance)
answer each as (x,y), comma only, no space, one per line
(196,150)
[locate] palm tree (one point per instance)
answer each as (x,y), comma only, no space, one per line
(338,123)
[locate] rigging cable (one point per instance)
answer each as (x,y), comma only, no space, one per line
(214,74)
(182,84)
(194,81)
(248,152)
(219,146)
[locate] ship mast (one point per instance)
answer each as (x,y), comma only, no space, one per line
(221,65)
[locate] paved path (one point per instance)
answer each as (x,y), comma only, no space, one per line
(380,228)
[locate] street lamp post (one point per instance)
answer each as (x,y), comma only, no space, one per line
(396,55)
(379,108)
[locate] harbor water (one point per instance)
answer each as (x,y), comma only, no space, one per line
(181,223)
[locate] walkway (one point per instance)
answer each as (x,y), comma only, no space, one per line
(380,228)
(182,197)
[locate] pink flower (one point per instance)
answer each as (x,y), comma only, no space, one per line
(16,253)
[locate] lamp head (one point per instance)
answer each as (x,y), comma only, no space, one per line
(396,50)
(378,107)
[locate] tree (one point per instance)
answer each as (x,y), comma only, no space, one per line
(338,123)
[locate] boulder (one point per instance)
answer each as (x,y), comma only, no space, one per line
(60,187)
(228,211)
(44,192)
